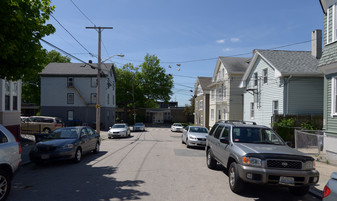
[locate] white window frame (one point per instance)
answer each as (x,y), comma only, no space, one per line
(265,76)
(333,96)
(276,103)
(334,24)
(212,95)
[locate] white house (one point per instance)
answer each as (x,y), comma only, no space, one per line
(69,91)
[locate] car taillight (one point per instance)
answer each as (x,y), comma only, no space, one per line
(326,191)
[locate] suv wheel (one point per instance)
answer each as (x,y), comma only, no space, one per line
(211,162)
(235,182)
(46,130)
(300,191)
(96,150)
(5,185)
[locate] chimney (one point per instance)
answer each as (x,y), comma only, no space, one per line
(316,43)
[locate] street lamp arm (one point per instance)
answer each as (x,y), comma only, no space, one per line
(119,55)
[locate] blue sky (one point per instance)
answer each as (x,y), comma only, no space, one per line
(190,33)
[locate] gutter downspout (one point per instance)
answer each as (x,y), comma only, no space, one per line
(288,80)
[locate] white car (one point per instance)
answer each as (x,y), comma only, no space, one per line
(194,136)
(177,127)
(10,160)
(119,130)
(139,127)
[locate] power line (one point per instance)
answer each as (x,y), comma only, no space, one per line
(82,13)
(73,36)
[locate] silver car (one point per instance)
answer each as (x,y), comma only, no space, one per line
(10,160)
(139,127)
(330,189)
(119,130)
(194,136)
(177,127)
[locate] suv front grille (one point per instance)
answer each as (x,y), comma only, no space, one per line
(284,164)
(46,148)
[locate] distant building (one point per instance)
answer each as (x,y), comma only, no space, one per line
(10,105)
(201,101)
(69,91)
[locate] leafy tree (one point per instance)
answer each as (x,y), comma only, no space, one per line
(31,82)
(23,24)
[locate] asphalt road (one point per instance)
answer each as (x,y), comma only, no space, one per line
(152,165)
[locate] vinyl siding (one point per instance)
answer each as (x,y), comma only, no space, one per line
(236,96)
(305,95)
(331,121)
(268,92)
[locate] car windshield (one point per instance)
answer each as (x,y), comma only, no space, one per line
(177,125)
(139,124)
(118,126)
(198,130)
(256,135)
(65,133)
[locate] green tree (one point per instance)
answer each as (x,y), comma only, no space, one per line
(23,24)
(31,82)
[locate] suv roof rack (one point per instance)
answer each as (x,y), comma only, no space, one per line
(237,122)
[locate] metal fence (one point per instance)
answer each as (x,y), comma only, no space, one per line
(309,141)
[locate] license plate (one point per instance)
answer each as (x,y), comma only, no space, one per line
(290,181)
(44,156)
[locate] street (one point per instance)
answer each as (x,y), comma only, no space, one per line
(152,165)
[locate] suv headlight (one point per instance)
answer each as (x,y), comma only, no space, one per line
(308,165)
(251,161)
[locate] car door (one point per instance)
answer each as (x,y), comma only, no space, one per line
(92,139)
(224,147)
(84,140)
(215,142)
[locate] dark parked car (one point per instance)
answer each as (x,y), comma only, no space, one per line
(65,143)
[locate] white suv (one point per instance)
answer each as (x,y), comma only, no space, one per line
(10,160)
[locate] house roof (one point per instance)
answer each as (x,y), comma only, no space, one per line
(291,62)
(75,69)
(235,65)
(204,82)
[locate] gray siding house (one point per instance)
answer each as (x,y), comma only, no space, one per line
(69,91)
(201,102)
(281,82)
(226,98)
(328,65)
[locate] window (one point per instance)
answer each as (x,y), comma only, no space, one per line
(70,98)
(70,115)
(93,82)
(219,114)
(218,131)
(7,95)
(265,76)
(224,91)
(3,138)
(113,99)
(15,95)
(212,114)
(213,129)
(225,133)
(224,114)
(255,79)
(70,82)
(331,24)
(252,110)
(275,107)
(108,99)
(212,94)
(334,96)
(201,104)
(93,98)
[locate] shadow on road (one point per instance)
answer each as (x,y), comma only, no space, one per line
(64,180)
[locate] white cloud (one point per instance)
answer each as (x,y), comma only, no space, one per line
(227,49)
(234,40)
(220,41)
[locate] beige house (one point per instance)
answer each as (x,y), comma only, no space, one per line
(226,98)
(201,94)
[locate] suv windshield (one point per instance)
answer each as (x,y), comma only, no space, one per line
(256,135)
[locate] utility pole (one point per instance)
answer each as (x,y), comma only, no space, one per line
(98,107)
(133,97)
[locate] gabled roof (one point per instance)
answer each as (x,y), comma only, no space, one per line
(235,65)
(286,63)
(74,69)
(204,82)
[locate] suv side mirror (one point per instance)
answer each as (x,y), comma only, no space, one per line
(224,140)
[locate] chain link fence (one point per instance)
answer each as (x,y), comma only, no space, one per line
(309,141)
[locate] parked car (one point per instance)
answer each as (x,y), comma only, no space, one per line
(257,154)
(10,160)
(39,124)
(66,143)
(139,127)
(177,127)
(330,189)
(119,130)
(194,136)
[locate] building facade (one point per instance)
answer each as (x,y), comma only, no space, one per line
(69,91)
(201,101)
